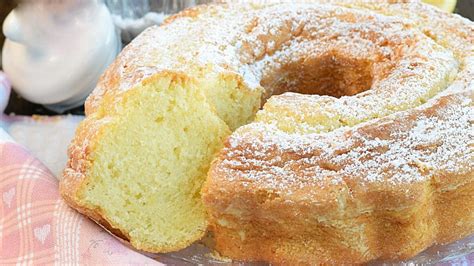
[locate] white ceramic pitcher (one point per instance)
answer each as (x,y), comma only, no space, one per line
(56,50)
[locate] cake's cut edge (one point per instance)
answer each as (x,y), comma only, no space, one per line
(127,172)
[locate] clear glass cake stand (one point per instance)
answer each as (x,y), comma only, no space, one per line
(458,253)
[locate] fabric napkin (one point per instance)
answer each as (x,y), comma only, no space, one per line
(37,227)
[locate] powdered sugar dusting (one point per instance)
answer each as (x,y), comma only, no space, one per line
(256,41)
(412,146)
(413,125)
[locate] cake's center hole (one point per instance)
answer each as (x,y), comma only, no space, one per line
(329,74)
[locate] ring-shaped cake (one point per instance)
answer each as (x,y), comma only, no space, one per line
(363,148)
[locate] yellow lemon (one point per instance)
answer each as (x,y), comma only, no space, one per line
(446,5)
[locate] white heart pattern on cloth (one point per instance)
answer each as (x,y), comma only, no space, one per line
(8,197)
(41,233)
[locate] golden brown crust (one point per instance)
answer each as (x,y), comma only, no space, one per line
(405,229)
(397,216)
(270,197)
(308,224)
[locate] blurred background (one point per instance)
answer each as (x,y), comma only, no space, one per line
(131,17)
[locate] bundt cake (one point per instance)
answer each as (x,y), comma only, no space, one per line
(363,148)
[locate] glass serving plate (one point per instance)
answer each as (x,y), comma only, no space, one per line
(460,252)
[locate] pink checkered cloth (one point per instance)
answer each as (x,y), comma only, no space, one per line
(37,227)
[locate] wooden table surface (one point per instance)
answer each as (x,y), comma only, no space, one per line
(20,106)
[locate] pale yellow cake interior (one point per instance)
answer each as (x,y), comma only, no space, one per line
(150,163)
